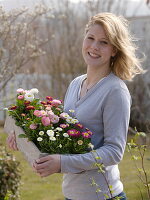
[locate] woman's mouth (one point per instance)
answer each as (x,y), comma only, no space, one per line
(93,55)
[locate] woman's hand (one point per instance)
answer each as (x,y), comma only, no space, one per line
(47,165)
(11,141)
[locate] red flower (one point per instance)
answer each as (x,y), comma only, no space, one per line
(79,125)
(43,102)
(49,98)
(27,103)
(13,108)
(30,108)
(49,102)
(73,132)
(87,134)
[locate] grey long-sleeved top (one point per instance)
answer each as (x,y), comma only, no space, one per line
(105,110)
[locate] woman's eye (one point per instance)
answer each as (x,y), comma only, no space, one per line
(103,42)
(90,38)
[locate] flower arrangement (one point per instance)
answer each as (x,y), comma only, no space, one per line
(48,126)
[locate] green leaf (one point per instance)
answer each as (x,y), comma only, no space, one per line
(22,136)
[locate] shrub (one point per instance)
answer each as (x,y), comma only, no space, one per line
(9,176)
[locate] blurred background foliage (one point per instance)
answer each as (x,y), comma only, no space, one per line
(40,47)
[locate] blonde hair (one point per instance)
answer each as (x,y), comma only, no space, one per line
(125,64)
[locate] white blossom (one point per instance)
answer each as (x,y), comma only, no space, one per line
(65,135)
(34,91)
(58,129)
(41,133)
(69,120)
(39,139)
(91,146)
(50,133)
(5,108)
(74,121)
(72,111)
(29,96)
(52,138)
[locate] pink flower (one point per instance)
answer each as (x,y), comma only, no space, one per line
(55,102)
(33,126)
(63,125)
(48,107)
(46,121)
(50,114)
(90,132)
(64,115)
(37,113)
(79,125)
(86,134)
(73,132)
(20,97)
(20,90)
(43,113)
(58,109)
(55,119)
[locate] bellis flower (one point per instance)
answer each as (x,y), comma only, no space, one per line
(20,90)
(46,121)
(29,96)
(47,125)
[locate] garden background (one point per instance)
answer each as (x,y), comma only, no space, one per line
(40,46)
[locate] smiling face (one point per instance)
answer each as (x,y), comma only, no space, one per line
(96,48)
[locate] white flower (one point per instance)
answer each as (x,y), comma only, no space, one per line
(69,120)
(65,135)
(60,146)
(91,146)
(29,96)
(80,142)
(34,91)
(5,108)
(39,139)
(72,111)
(41,133)
(58,129)
(74,121)
(52,138)
(50,133)
(57,135)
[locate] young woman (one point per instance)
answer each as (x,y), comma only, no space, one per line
(101,102)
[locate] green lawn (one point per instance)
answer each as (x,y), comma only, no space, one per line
(33,187)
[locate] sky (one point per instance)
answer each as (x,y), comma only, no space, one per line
(134,7)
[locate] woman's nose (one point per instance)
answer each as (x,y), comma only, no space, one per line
(95,45)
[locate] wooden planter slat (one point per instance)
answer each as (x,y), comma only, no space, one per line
(28,148)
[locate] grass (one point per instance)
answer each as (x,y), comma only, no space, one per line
(49,188)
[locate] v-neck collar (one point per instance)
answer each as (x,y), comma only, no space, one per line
(80,100)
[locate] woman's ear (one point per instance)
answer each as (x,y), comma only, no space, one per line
(114,52)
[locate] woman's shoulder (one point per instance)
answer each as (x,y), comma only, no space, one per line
(77,79)
(117,90)
(117,84)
